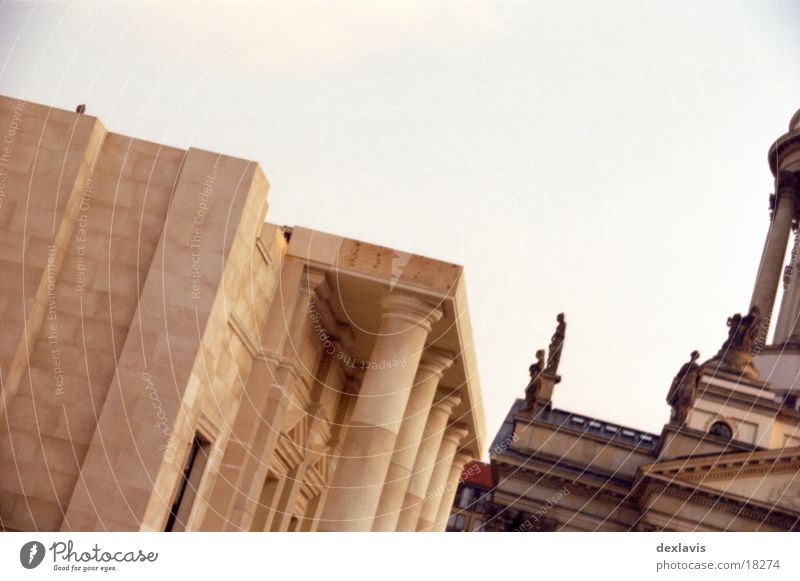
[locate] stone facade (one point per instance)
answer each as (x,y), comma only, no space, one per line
(169,361)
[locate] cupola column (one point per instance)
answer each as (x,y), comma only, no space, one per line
(771,267)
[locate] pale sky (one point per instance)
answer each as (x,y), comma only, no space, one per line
(603,159)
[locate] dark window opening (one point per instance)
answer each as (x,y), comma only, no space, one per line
(456,523)
(721,430)
(186,493)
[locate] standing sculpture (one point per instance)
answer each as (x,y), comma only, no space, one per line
(544,371)
(736,354)
(535,370)
(743,331)
(683,390)
(556,345)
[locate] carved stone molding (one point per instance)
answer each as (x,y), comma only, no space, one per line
(717,502)
(599,493)
(785,143)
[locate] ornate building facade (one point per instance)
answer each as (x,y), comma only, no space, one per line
(169,361)
(729,458)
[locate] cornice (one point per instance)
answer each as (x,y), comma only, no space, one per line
(601,490)
(549,462)
(761,461)
(778,517)
(732,396)
(789,141)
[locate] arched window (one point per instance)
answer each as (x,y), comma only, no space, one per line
(721,430)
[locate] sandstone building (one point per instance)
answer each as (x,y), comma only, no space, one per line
(729,458)
(169,361)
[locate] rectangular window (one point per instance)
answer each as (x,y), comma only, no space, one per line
(455,523)
(467,496)
(186,493)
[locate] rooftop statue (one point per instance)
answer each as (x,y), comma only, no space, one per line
(538,366)
(743,331)
(535,370)
(556,345)
(683,390)
(736,354)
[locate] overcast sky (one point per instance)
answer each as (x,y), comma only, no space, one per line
(603,159)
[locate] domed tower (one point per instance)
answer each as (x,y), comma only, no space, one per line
(746,396)
(779,362)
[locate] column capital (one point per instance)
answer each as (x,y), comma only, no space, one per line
(409,309)
(456,433)
(446,401)
(787,184)
(435,361)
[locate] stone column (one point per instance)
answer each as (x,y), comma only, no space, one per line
(370,439)
(426,459)
(437,487)
(446,506)
(431,368)
(771,266)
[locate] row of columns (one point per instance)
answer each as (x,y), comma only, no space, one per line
(431,368)
(399,463)
(399,455)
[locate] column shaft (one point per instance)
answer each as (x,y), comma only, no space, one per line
(771,267)
(430,371)
(370,439)
(446,506)
(426,459)
(438,483)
